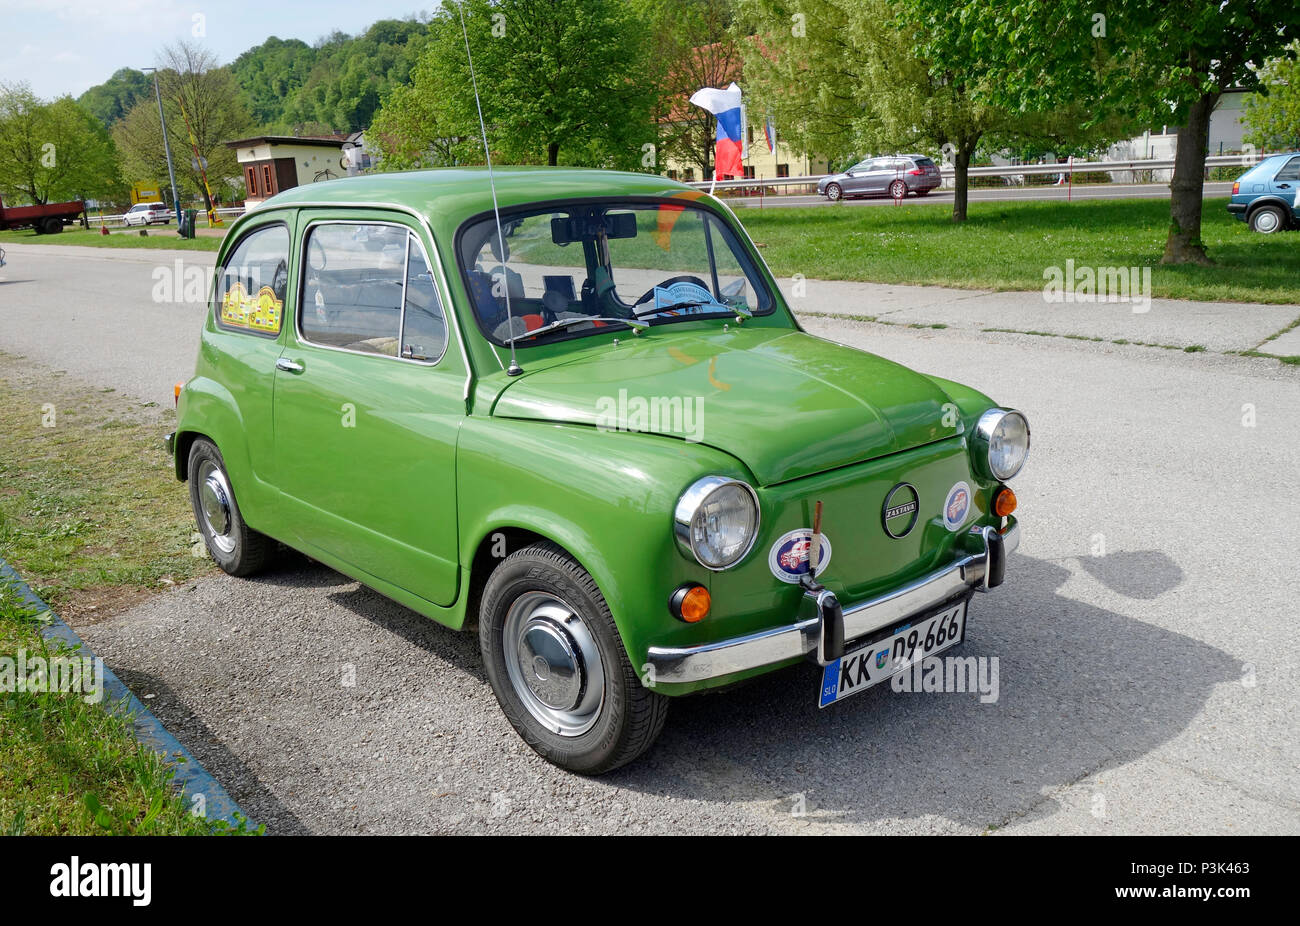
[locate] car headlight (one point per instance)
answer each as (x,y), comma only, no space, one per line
(1001,443)
(716,521)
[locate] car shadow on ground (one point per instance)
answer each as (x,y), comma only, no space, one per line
(1080,688)
(235,776)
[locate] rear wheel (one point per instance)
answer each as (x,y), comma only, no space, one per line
(925,192)
(236,548)
(834,192)
(898,189)
(53,226)
(557,665)
(1267,219)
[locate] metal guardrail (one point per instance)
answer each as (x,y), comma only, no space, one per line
(120,219)
(1003,170)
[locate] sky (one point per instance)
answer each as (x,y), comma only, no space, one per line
(68,46)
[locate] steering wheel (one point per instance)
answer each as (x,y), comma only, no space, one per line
(685,278)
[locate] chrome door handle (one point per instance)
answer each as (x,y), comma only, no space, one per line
(288,366)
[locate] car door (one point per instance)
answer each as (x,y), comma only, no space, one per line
(1287,181)
(859,179)
(368,404)
(880,175)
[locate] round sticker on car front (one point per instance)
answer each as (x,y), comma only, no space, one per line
(788,558)
(956,506)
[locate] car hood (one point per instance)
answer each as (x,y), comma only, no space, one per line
(784,403)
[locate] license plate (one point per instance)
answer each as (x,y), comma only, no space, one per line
(909,643)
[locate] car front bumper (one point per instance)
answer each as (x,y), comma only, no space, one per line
(825,632)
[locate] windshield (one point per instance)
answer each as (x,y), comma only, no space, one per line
(659,262)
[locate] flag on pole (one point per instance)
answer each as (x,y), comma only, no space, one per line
(770,130)
(725,105)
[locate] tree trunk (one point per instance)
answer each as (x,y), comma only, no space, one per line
(1183,245)
(961,180)
(553,154)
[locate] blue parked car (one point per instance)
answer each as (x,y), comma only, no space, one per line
(1264,197)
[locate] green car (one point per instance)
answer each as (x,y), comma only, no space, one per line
(587,422)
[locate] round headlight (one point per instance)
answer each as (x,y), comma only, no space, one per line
(716,521)
(1001,443)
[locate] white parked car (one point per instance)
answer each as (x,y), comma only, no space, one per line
(147,214)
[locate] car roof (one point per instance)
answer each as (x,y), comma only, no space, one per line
(448,196)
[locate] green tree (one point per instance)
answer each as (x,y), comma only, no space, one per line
(338,83)
(270,74)
(113,99)
(54,150)
(1273,113)
(188,76)
(1142,59)
(848,76)
(690,47)
(558,80)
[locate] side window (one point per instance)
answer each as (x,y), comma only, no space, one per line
(424,327)
(352,289)
(251,288)
(1291,171)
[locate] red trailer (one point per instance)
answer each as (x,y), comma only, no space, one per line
(48,219)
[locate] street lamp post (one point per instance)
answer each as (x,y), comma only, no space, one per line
(171,171)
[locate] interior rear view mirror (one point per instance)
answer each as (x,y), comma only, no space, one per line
(567,229)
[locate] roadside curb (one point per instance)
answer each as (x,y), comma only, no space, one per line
(191,777)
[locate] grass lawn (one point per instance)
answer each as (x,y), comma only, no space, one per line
(93,518)
(68,766)
(1006,246)
(90,512)
(158,237)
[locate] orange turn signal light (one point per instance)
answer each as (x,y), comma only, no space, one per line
(690,603)
(1004,502)
(176,393)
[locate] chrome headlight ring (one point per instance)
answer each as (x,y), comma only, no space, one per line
(994,429)
(688,507)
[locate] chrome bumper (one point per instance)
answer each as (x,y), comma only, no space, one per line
(981,570)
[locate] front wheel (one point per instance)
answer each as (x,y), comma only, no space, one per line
(557,665)
(834,192)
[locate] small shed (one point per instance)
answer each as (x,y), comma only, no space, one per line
(273,163)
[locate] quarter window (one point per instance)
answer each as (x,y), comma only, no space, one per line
(251,288)
(424,327)
(1291,171)
(362,293)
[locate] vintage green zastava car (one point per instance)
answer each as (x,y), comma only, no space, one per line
(595,428)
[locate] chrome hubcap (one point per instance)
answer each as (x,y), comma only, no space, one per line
(553,663)
(1266,221)
(214,501)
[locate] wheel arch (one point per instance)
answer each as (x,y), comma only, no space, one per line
(1288,220)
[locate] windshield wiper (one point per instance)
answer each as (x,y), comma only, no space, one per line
(567,322)
(677,306)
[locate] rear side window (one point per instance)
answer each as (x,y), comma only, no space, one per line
(251,288)
(368,288)
(1291,171)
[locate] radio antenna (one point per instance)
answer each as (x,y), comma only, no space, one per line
(514,368)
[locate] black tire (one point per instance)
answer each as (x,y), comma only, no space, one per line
(922,192)
(1267,219)
(238,549)
(629,717)
(834,192)
(53,226)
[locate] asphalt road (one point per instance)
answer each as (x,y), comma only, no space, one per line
(1152,689)
(1001,194)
